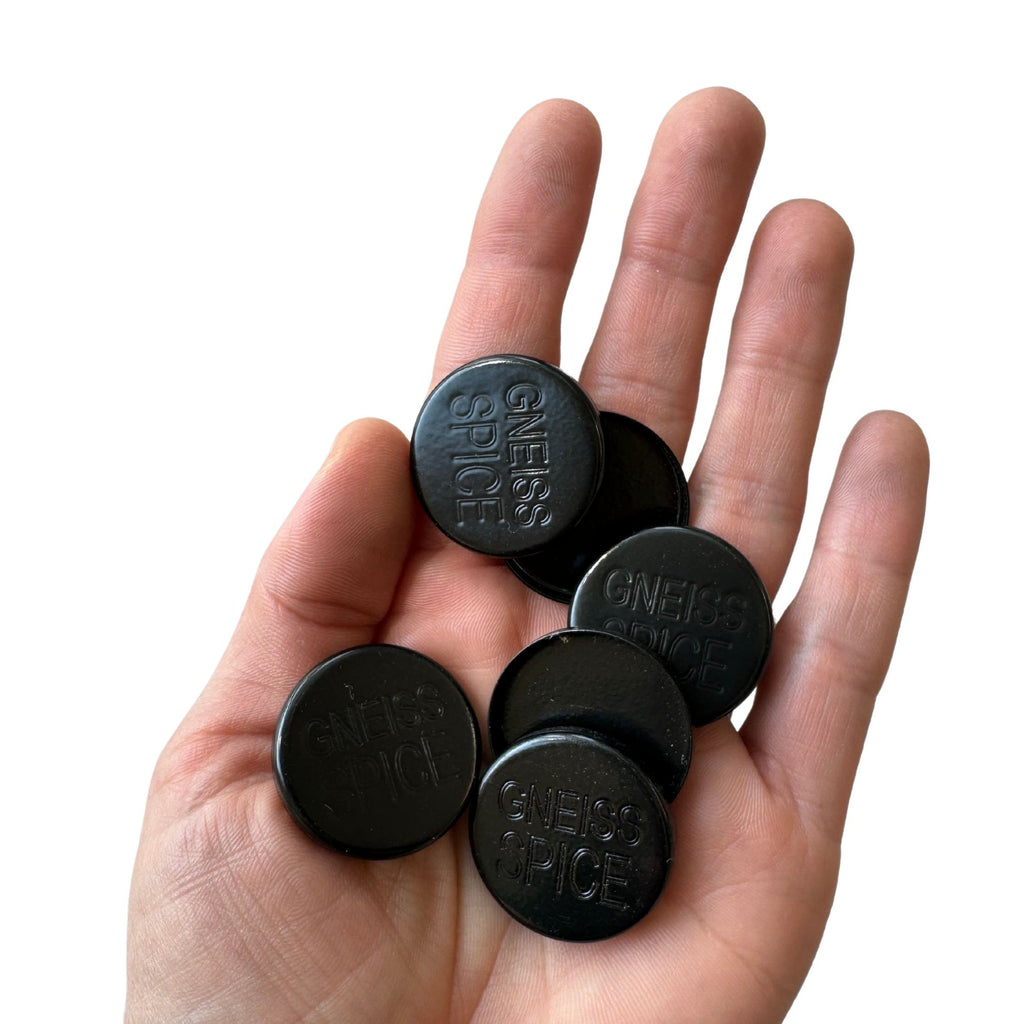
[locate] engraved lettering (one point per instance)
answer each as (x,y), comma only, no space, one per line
(532,515)
(705,674)
(318,738)
(629,824)
(584,816)
(534,810)
(476,478)
(528,488)
(477,481)
(615,626)
(603,822)
(512,800)
(566,811)
(613,874)
(479,435)
(707,606)
(463,408)
(523,397)
(524,454)
(366,775)
(408,764)
(579,891)
(385,763)
(519,426)
(736,606)
(539,857)
(646,592)
(430,701)
(570,812)
(480,510)
(644,635)
(563,852)
(671,604)
(417,776)
(440,758)
(617,586)
(478,457)
(511,866)
(675,652)
(406,713)
(347,729)
(691,593)
(377,718)
(527,455)
(565,871)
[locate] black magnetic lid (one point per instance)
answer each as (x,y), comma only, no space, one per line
(376,752)
(602,684)
(506,454)
(571,838)
(692,599)
(643,486)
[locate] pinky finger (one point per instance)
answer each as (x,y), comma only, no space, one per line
(834,643)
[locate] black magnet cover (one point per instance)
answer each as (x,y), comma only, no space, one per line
(692,599)
(506,454)
(377,751)
(599,683)
(643,486)
(571,837)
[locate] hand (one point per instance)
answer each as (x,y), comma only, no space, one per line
(236,915)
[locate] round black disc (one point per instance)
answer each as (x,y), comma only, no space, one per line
(506,454)
(602,684)
(571,838)
(643,486)
(376,752)
(693,600)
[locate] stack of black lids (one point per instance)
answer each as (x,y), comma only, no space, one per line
(377,750)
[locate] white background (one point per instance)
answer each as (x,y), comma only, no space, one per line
(228,229)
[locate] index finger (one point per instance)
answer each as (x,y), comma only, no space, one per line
(525,240)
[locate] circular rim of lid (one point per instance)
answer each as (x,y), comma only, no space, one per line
(283,773)
(571,388)
(543,583)
(697,715)
(650,792)
(664,754)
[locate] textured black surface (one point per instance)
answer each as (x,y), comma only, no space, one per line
(643,486)
(601,684)
(506,454)
(377,751)
(570,837)
(695,601)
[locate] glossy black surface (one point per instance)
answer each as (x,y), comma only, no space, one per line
(601,684)
(693,600)
(570,837)
(643,486)
(506,454)
(376,752)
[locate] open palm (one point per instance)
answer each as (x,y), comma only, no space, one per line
(237,915)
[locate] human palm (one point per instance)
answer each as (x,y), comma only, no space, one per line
(237,915)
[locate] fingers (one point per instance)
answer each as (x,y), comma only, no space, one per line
(833,645)
(646,357)
(750,482)
(526,238)
(325,582)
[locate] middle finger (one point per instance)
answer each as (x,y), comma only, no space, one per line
(646,356)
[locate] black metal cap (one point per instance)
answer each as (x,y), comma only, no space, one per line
(571,838)
(377,751)
(506,454)
(692,599)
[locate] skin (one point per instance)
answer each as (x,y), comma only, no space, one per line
(235,915)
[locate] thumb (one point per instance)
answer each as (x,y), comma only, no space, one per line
(324,584)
